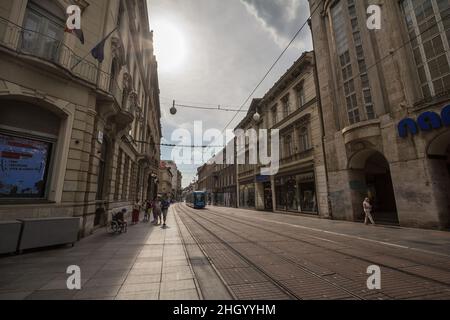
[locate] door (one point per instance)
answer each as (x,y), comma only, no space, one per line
(268,205)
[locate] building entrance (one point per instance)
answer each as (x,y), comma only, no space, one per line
(380,189)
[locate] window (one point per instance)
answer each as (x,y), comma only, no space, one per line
(339,25)
(304,139)
(350,83)
(274,115)
(44,33)
(428,25)
(352,109)
(301,100)
(286,106)
(24,166)
(288,146)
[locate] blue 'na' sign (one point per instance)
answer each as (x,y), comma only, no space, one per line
(427,121)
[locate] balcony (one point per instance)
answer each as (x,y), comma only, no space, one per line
(297,157)
(362,131)
(52,52)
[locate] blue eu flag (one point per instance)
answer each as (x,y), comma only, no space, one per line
(99,51)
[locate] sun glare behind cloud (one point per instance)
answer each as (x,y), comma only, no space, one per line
(170,46)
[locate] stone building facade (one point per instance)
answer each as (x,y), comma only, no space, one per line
(79,137)
(246,173)
(384,95)
(292,107)
(206,175)
(176,178)
(224,182)
(165,186)
(179,188)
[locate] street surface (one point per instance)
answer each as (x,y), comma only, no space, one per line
(223,253)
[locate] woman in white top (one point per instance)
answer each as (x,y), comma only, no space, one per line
(367,211)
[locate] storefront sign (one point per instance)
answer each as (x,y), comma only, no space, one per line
(262,178)
(427,121)
(23,167)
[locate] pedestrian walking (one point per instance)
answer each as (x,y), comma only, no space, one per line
(136,212)
(165,205)
(156,207)
(368,211)
(148,209)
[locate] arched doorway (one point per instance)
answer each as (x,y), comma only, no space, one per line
(380,189)
(371,177)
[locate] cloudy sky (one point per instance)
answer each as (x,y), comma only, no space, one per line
(214,52)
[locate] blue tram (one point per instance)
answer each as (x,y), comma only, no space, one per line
(196,199)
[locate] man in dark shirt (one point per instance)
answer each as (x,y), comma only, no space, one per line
(165,204)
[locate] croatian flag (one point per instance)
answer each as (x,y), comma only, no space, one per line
(77,33)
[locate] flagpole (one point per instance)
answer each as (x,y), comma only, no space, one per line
(84,58)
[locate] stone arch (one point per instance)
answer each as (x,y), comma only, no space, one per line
(371,177)
(438,146)
(438,153)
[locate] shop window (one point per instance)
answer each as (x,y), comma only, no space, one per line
(280,194)
(24,167)
(308,197)
(247,196)
(296,193)
(292,203)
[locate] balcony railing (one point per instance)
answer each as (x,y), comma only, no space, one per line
(35,44)
(297,156)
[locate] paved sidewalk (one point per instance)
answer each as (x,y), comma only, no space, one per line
(147,263)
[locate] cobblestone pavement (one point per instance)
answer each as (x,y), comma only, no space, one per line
(271,256)
(147,263)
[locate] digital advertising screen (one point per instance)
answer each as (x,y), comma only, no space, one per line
(23,167)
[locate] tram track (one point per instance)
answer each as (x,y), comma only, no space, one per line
(319,280)
(286,291)
(366,260)
(413,284)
